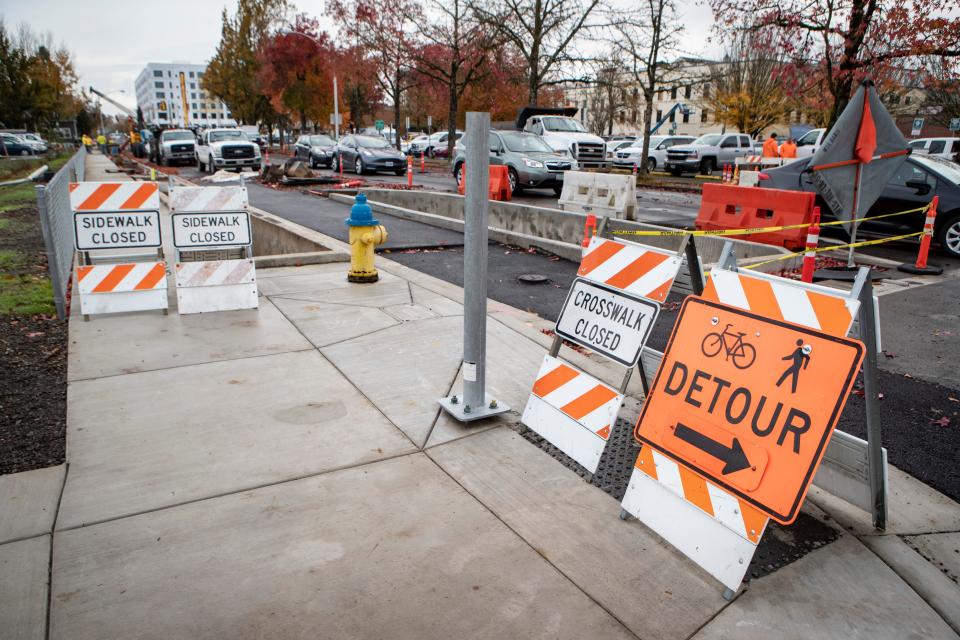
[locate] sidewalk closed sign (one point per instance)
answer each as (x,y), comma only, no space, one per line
(116,229)
(211,229)
(749,402)
(607,320)
(115,215)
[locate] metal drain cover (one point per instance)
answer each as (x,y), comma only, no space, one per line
(533,278)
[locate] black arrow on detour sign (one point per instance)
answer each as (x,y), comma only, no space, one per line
(734,456)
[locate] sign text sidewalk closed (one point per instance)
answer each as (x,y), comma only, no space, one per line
(211,229)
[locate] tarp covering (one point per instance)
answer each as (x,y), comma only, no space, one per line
(863,132)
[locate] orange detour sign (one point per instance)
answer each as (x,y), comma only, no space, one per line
(749,402)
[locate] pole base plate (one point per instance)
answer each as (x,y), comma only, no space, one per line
(459,411)
(929,270)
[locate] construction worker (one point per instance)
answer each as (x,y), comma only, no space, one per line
(770,147)
(87,141)
(788,149)
(102,143)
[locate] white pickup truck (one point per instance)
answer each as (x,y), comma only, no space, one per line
(177,145)
(227,149)
(709,152)
(565,135)
(808,143)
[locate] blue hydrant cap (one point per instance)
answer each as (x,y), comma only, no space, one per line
(361,215)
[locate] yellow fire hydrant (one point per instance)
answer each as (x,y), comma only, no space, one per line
(366,232)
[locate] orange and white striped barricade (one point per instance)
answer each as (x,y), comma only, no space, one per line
(572,410)
(610,309)
(111,218)
(118,288)
(213,238)
(713,527)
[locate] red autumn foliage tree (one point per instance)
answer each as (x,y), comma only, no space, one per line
(386,30)
(295,73)
(360,92)
(845,41)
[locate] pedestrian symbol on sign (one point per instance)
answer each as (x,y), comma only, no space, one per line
(800,359)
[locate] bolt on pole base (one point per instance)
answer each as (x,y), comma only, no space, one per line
(465,413)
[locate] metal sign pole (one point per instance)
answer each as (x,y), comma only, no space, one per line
(871,390)
(475,403)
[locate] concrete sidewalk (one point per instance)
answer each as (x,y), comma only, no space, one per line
(286,473)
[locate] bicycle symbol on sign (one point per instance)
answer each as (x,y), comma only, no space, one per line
(741,353)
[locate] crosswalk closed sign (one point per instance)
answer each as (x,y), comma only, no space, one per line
(749,402)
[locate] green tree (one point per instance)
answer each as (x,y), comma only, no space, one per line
(14,81)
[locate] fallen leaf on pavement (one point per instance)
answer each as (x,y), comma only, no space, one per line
(943,421)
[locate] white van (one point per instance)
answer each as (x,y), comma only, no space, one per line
(941,147)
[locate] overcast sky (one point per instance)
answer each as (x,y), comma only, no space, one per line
(112,41)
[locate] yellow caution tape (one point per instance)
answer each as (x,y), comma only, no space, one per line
(835,247)
(744,232)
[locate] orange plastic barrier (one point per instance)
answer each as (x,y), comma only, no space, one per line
(499,185)
(726,206)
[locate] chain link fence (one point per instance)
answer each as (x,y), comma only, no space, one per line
(56,219)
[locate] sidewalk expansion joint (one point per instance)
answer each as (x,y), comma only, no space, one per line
(232,492)
(436,418)
(347,378)
(191,364)
(53,533)
(532,547)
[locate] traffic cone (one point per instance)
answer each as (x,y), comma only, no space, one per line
(813,240)
(409,172)
(423,162)
(921,267)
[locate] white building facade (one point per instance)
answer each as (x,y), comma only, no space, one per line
(172,94)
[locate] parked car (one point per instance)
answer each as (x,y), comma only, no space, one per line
(38,144)
(226,149)
(418,145)
(436,144)
(315,150)
(619,143)
(530,161)
(916,182)
(363,154)
(948,148)
(708,152)
(14,145)
(627,157)
(177,145)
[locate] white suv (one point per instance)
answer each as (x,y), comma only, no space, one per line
(947,148)
(226,149)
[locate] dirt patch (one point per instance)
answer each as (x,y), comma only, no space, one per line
(33,386)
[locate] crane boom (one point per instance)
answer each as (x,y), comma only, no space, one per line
(104,96)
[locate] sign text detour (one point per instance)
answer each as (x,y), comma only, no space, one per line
(749,402)
(211,229)
(607,320)
(116,230)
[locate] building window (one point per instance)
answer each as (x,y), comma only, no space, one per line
(199,74)
(622,116)
(169,74)
(157,73)
(194,105)
(191,74)
(703,115)
(160,95)
(906,99)
(686,118)
(193,96)
(687,91)
(158,85)
(633,116)
(162,115)
(203,116)
(193,85)
(706,89)
(673,94)
(673,116)
(659,115)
